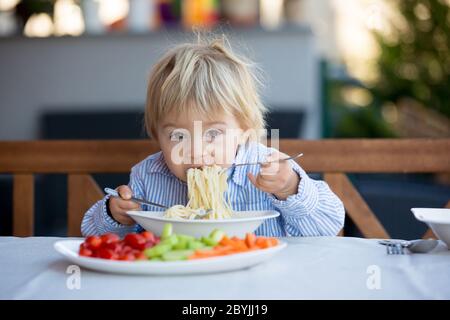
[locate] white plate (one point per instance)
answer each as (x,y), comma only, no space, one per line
(437,219)
(69,249)
(241,223)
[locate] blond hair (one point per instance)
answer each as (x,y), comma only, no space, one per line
(206,78)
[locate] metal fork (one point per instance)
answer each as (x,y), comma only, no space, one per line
(200,214)
(114,193)
(395,249)
(266,162)
(413,246)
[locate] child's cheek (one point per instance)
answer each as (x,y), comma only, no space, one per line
(177,153)
(178,171)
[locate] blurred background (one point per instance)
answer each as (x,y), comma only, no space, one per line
(77,69)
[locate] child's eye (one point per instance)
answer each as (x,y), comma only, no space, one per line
(211,134)
(177,136)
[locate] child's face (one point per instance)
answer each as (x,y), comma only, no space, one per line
(194,141)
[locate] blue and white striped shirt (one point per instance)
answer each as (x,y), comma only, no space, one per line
(313,211)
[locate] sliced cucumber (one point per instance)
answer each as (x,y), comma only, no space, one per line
(156,259)
(172,240)
(182,244)
(194,245)
(209,242)
(167,231)
(217,235)
(176,255)
(157,250)
(185,237)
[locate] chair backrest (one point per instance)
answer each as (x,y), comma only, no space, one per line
(334,158)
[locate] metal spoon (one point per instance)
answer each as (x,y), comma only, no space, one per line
(201,213)
(422,246)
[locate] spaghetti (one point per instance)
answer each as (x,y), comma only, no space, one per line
(206,190)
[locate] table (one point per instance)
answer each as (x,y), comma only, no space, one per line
(309,268)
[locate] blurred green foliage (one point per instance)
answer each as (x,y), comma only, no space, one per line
(344,120)
(415,61)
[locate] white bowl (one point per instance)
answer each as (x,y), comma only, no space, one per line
(437,219)
(241,223)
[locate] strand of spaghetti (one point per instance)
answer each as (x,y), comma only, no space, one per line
(206,190)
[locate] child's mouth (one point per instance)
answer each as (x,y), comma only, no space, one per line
(197,166)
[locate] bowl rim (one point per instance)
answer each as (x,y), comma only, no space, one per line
(269,215)
(433,220)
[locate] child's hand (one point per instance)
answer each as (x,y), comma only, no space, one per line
(276,178)
(119,206)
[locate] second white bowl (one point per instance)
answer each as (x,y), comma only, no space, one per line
(437,219)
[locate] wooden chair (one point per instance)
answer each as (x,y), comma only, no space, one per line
(333,158)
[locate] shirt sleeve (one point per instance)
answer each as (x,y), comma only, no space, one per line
(96,220)
(313,211)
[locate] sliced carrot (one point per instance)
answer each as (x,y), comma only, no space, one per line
(224,250)
(264,243)
(250,239)
(273,242)
(261,242)
(234,245)
(225,241)
(253,247)
(239,245)
(199,254)
(208,252)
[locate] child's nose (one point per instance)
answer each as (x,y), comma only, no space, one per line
(197,153)
(200,155)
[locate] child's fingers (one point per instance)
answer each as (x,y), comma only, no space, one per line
(276,167)
(270,171)
(119,209)
(120,204)
(128,205)
(271,166)
(275,155)
(123,218)
(252,179)
(125,192)
(257,181)
(269,158)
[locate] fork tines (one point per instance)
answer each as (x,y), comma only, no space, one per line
(394,249)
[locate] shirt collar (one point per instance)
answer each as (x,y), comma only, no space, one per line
(239,174)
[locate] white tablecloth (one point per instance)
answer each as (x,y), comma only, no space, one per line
(310,268)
